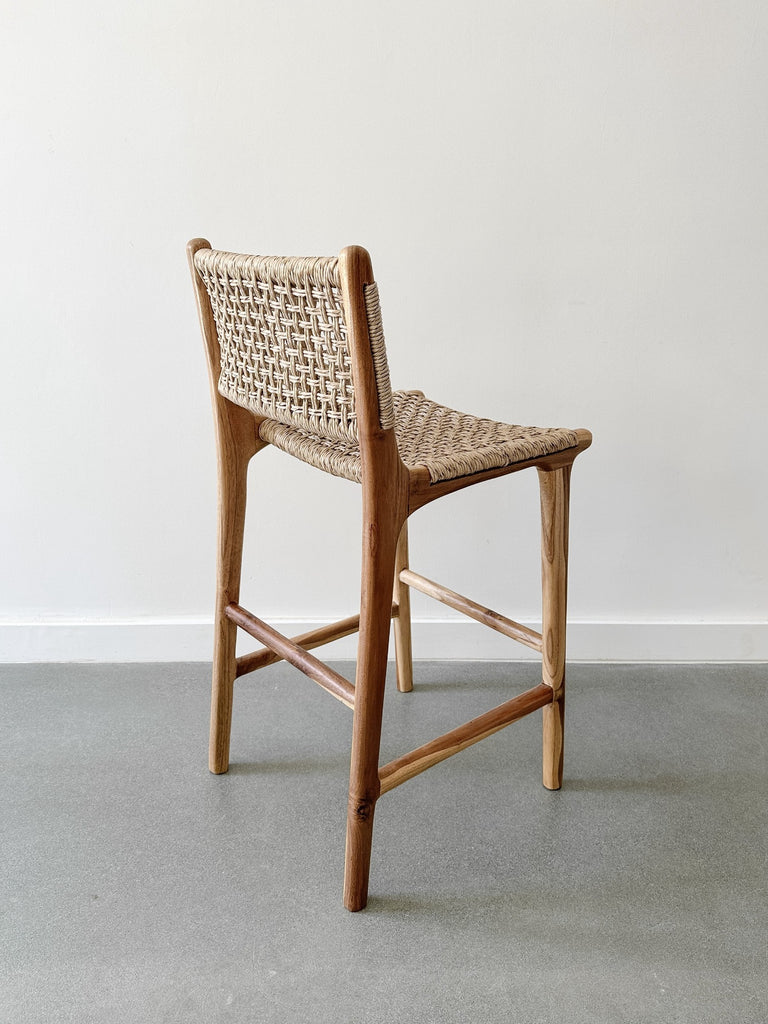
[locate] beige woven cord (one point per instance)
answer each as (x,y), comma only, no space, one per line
(447,443)
(284,347)
(285,356)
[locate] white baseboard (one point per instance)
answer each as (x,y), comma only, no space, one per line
(138,640)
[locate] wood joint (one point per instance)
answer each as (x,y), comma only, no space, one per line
(417,761)
(494,620)
(306,641)
(297,656)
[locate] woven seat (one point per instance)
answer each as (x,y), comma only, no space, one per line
(297,360)
(447,443)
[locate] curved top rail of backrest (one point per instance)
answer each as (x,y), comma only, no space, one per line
(285,348)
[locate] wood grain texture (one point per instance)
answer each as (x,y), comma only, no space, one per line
(402,624)
(385,497)
(237,440)
(417,761)
(554,487)
(307,641)
(307,663)
(488,617)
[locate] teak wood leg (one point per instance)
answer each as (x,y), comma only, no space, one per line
(232,473)
(380,542)
(401,596)
(554,486)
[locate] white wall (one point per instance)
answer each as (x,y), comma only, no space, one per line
(567,210)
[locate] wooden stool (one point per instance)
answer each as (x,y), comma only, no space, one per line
(296,358)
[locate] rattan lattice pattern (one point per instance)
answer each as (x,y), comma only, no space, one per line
(283,340)
(448,443)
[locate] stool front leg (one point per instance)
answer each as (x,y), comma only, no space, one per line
(554,487)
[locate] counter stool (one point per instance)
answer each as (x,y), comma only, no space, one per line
(297,360)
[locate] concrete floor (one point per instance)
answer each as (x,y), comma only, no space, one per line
(136,887)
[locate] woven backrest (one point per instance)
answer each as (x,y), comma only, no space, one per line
(283,340)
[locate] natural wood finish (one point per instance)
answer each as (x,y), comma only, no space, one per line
(385,483)
(307,641)
(390,493)
(311,666)
(422,490)
(554,487)
(237,440)
(488,617)
(232,485)
(402,598)
(410,765)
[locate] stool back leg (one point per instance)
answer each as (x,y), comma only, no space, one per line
(233,459)
(401,596)
(379,546)
(554,487)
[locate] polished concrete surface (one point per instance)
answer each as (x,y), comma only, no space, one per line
(136,887)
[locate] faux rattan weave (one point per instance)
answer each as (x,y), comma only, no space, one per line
(448,443)
(283,340)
